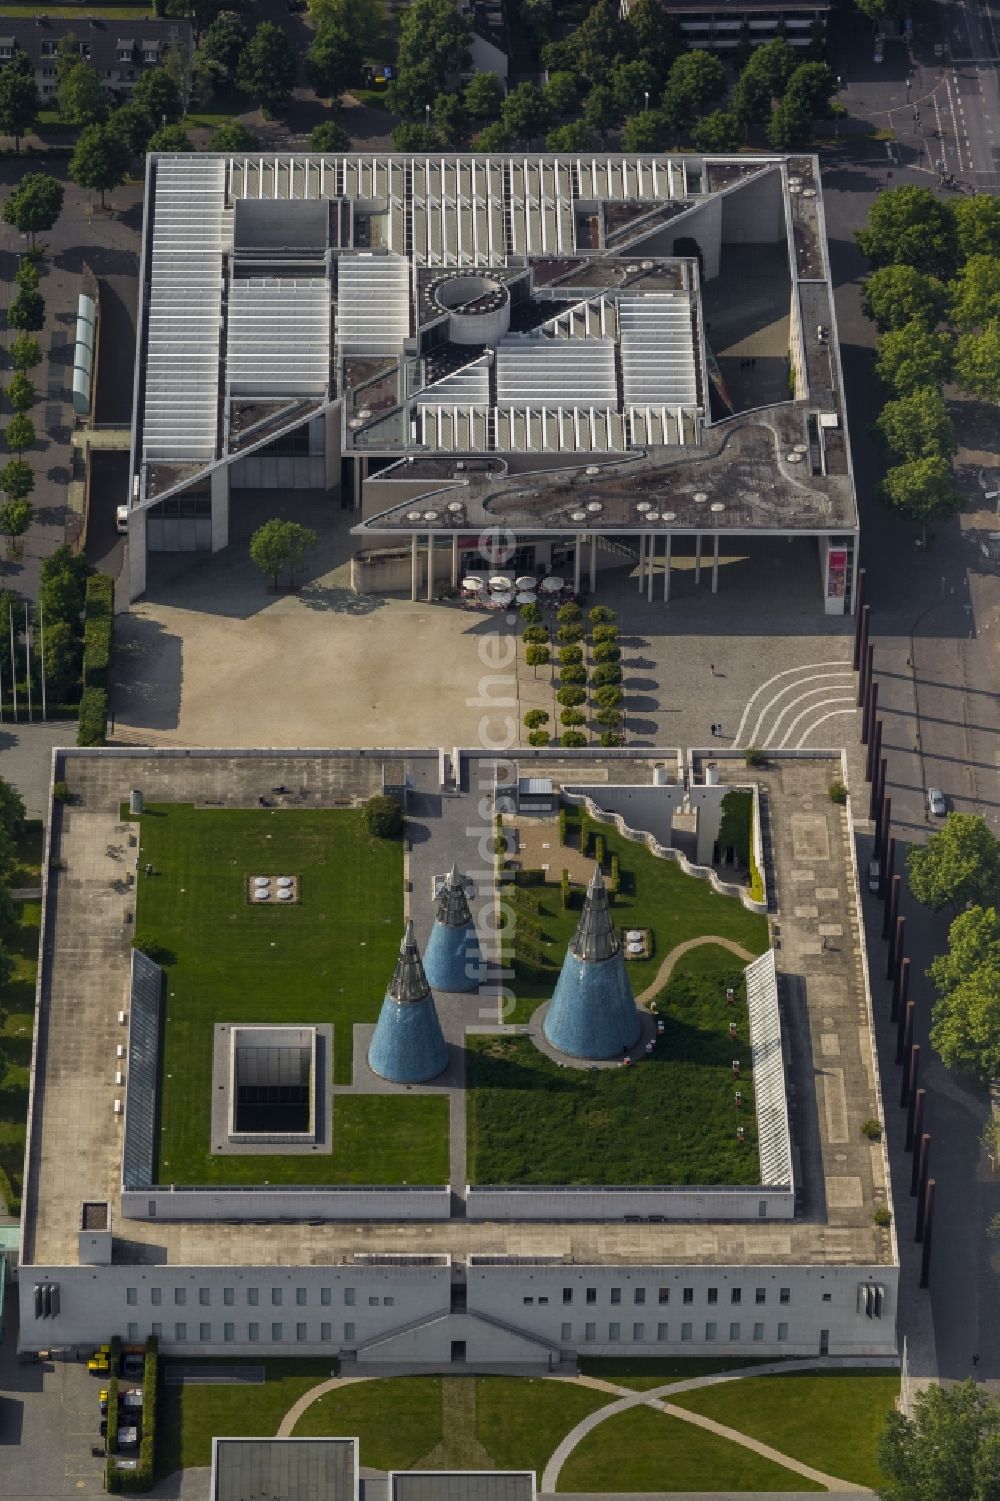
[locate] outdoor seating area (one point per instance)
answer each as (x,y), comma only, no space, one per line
(638,943)
(501,591)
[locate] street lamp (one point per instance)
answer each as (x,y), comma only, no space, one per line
(645,94)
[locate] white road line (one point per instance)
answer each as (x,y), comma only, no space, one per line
(954,126)
(803,667)
(795,703)
(813,727)
(811,710)
(790,688)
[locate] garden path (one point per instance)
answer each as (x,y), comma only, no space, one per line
(666,968)
(287,1425)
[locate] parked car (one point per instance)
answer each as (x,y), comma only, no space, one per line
(132,1367)
(935,802)
(121,519)
(875,876)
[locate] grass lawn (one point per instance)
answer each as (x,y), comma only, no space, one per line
(530,1121)
(462,1422)
(328,957)
(28,848)
(831,1421)
(643,1450)
(642,1373)
(189,1417)
(654,894)
(17,1008)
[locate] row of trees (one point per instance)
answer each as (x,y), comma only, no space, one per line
(571,695)
(934,297)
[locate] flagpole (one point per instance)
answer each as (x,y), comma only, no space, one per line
(13,663)
(27,658)
(41,628)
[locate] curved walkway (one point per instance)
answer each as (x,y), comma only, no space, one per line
(666,968)
(654,1398)
(287,1425)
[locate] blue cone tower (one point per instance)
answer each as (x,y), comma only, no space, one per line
(593,1012)
(452,959)
(408,1046)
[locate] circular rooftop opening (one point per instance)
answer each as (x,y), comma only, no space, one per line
(479,308)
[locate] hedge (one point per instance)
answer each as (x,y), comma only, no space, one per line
(600,848)
(614,885)
(567,895)
(531,877)
(112,1430)
(7,1191)
(131,1482)
(93,728)
(562,825)
(98,621)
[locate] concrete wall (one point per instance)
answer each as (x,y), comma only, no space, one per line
(703,224)
(485,1345)
(561,1203)
(647,808)
(161,1203)
(755,213)
(389,572)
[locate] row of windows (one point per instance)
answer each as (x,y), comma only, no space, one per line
(125,54)
(663,1295)
(253,1297)
(663,1332)
(207,1334)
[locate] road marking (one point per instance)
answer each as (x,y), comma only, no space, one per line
(788,688)
(803,667)
(833,714)
(811,710)
(794,703)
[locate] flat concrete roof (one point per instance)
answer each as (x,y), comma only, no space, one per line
(284,1469)
(75,1138)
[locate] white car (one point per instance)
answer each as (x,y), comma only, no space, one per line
(935,802)
(121,520)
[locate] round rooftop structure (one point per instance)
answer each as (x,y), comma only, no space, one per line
(478,308)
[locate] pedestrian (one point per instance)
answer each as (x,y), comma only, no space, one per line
(975,1361)
(711,668)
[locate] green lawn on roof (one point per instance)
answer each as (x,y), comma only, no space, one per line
(327,958)
(532,1121)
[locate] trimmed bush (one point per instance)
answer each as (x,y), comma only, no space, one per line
(609,738)
(539,737)
(755,757)
(602,633)
(572,718)
(570,656)
(98,623)
(93,727)
(571,697)
(565,892)
(608,697)
(537,656)
(566,635)
(607,651)
(569,614)
(562,825)
(534,635)
(609,719)
(535,718)
(614,884)
(572,739)
(382,817)
(600,848)
(572,675)
(882,1216)
(601,615)
(872,1129)
(531,615)
(61,792)
(608,673)
(838,793)
(111,1443)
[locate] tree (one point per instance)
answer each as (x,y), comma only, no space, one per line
(751,99)
(25,352)
(62,659)
(912,356)
(653,36)
(562,92)
(382,817)
(789,127)
(100,160)
(132,126)
(537,655)
(525,112)
(80,95)
(15,518)
(600,110)
(909,226)
(918,424)
(977,362)
(333,62)
(696,79)
(719,131)
(267,66)
(281,547)
(33,204)
(159,96)
(977,224)
(16,479)
(975,295)
(632,86)
(599,40)
(201,12)
(411,135)
(492,138)
(63,586)
(648,131)
(20,392)
(28,275)
(224,40)
(773,65)
(922,490)
(965,1027)
(329,135)
(18,101)
(535,718)
(410,95)
(20,433)
(235,136)
(484,94)
(432,33)
(450,119)
(363,19)
(170,138)
(945,1451)
(811,87)
(895,295)
(958,865)
(574,136)
(27,311)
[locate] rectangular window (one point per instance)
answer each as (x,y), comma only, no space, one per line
(616,1295)
(734,1331)
(390,1302)
(758,1331)
(180,1333)
(253,1296)
(686,1331)
(229,1296)
(300,1333)
(348,1332)
(349,1296)
(326,1331)
(709,1331)
(736,1295)
(203,1297)
(541,1301)
(300,1297)
(276,1297)
(713,1295)
(48,49)
(180,1296)
(204,1332)
(828,1297)
(528,1300)
(150,55)
(567,1295)
(639,1296)
(133,1332)
(124,55)
(373,1302)
(782,1331)
(229,1333)
(760,1295)
(154,1296)
(276,1333)
(566,1331)
(590,1331)
(325,1296)
(614,1332)
(663,1295)
(591,1294)
(688,1296)
(253,1332)
(784,1294)
(638,1331)
(156,1329)
(662,1332)
(132,1295)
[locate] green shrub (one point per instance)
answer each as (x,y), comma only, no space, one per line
(537,656)
(585,831)
(531,615)
(600,848)
(93,728)
(872,1129)
(565,892)
(608,697)
(610,738)
(882,1216)
(539,737)
(98,623)
(535,635)
(571,697)
(535,718)
(531,877)
(572,675)
(572,718)
(61,792)
(7,1193)
(754,757)
(569,614)
(601,615)
(382,817)
(111,1444)
(570,656)
(609,719)
(838,792)
(132,1482)
(602,633)
(572,739)
(607,651)
(566,635)
(607,673)
(562,825)
(614,884)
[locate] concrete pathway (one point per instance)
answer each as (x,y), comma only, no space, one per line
(652,1398)
(666,968)
(287,1425)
